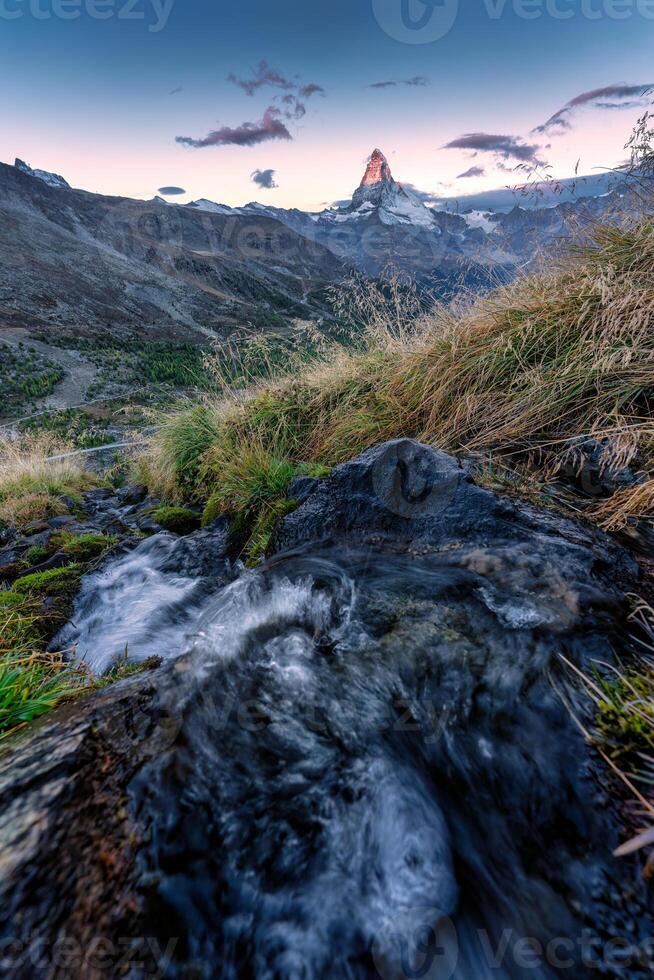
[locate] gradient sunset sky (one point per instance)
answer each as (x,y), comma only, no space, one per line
(211,95)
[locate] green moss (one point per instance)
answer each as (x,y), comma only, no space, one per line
(8,598)
(625,717)
(36,554)
(179,520)
(55,582)
(84,547)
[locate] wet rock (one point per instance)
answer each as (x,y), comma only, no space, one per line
(65,521)
(364,741)
(590,467)
(132,494)
(58,560)
(34,527)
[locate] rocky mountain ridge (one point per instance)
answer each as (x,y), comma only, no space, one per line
(90,262)
(387,226)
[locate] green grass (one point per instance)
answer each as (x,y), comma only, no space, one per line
(36,554)
(31,685)
(252,486)
(32,682)
(622,726)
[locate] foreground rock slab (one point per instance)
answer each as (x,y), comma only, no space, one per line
(363,764)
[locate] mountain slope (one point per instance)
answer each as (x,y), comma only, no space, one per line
(75,259)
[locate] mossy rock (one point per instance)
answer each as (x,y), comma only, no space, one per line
(36,554)
(84,547)
(179,520)
(54,582)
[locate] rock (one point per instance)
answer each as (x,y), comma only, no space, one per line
(10,571)
(132,494)
(58,560)
(66,520)
(365,731)
(587,469)
(34,527)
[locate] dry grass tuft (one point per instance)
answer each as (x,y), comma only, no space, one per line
(30,486)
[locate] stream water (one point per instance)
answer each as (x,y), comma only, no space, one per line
(365,774)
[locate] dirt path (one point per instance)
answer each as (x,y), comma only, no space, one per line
(71,390)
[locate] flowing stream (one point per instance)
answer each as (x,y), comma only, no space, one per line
(364,773)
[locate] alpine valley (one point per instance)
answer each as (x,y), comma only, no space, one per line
(84,272)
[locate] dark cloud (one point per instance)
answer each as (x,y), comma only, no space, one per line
(175,91)
(264,75)
(472,172)
(264,178)
(416,81)
(311,89)
(504,147)
(270,127)
(293,108)
(610,97)
(171,191)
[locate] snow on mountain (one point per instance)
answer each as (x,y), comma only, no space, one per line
(53,180)
(378,194)
(379,191)
(479,219)
(205,205)
(387,225)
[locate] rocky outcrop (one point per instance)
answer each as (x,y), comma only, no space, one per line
(368,737)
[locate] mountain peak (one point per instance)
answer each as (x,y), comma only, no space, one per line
(53,180)
(377,182)
(377,171)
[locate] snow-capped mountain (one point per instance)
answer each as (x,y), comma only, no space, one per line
(52,180)
(386,224)
(378,191)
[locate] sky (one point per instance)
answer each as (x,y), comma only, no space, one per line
(282,101)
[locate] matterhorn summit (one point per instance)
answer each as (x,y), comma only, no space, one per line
(378,191)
